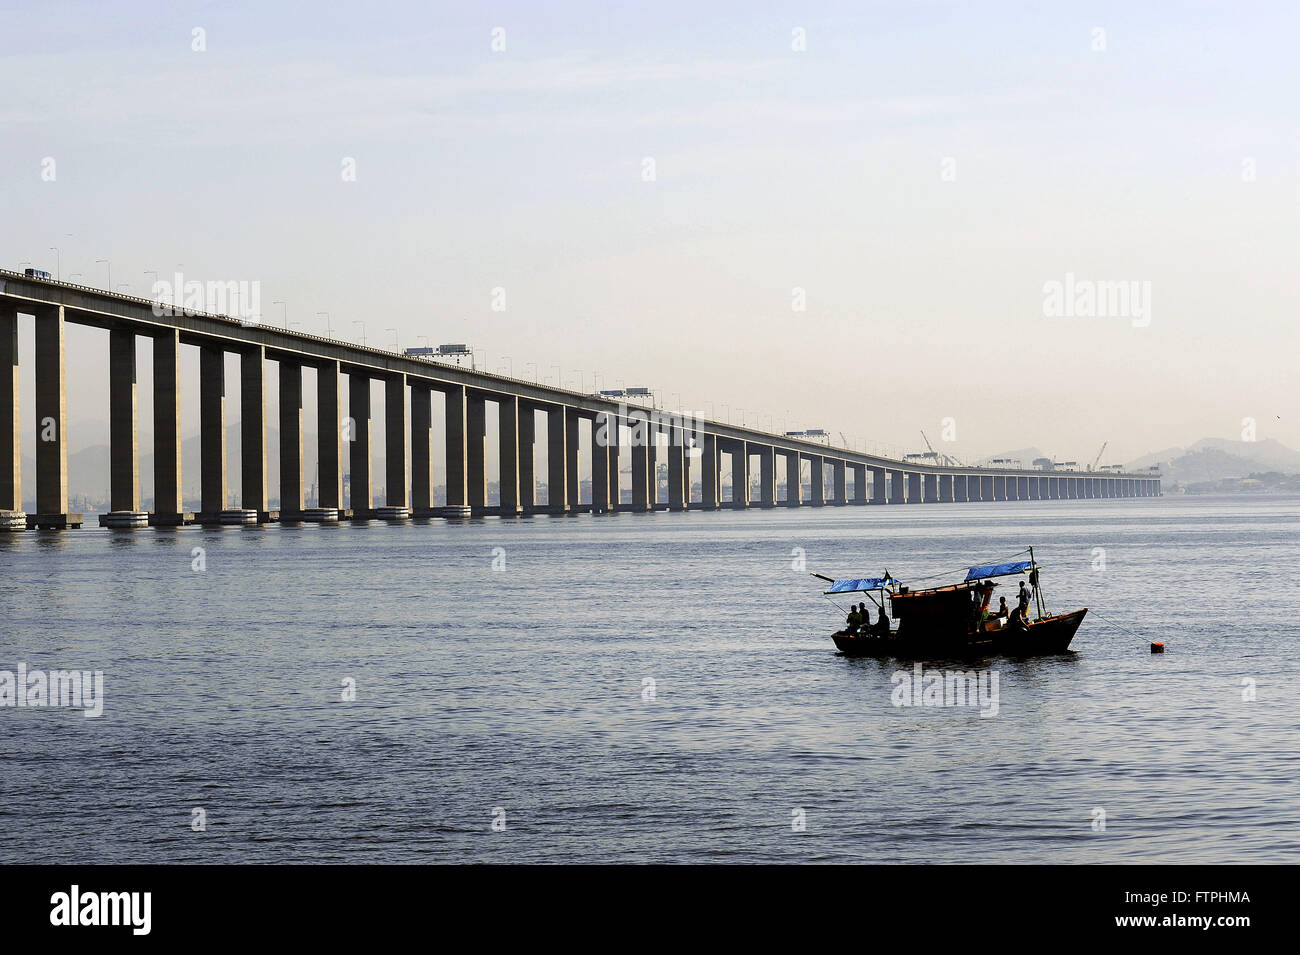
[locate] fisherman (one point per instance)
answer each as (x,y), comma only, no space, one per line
(854,620)
(1003,609)
(1025,596)
(882,625)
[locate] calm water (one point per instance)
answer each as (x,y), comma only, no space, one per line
(523,689)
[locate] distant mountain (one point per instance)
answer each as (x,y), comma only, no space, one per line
(1216,459)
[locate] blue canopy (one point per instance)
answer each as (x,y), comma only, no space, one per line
(857,584)
(999,570)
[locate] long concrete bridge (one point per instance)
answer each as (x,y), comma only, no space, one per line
(690,444)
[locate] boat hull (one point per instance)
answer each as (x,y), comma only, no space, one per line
(1042,637)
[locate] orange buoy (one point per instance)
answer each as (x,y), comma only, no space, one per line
(1157,648)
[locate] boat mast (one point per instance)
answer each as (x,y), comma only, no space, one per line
(1036,580)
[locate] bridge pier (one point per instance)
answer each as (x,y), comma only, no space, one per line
(329,441)
(793,479)
(212,443)
(766,476)
(123,433)
(601,497)
(817,480)
(508,456)
(292,497)
(710,490)
(422,449)
(458,430)
(526,430)
(476,452)
(839,482)
(51,423)
(573,460)
(12,515)
(361,495)
(739,474)
(557,479)
(914,487)
(252,432)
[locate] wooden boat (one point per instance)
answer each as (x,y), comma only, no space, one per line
(954,620)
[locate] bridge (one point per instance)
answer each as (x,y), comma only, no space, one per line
(689,443)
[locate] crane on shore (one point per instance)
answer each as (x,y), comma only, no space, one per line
(1097,459)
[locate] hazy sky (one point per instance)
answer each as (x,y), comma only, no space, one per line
(919,170)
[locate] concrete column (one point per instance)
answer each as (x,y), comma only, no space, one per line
(329,435)
(168,500)
(1022,488)
(946,487)
(914,487)
(457,450)
(961,488)
(421,448)
(767,476)
(838,482)
(476,451)
(11,452)
(603,434)
(860,495)
(793,479)
(678,492)
(508,454)
(710,492)
(896,492)
(1013,488)
(986,488)
(879,493)
(740,474)
(124,443)
(212,425)
(395,441)
(613,436)
(572,454)
(252,428)
(817,479)
(51,418)
(291,482)
(640,462)
(557,469)
(930,488)
(359,449)
(527,457)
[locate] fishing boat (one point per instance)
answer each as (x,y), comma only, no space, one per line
(954,620)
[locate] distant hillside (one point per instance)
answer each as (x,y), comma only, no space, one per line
(1217,459)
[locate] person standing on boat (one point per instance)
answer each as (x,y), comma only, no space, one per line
(853,620)
(1025,596)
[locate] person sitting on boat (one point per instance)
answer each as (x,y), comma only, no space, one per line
(853,620)
(1020,619)
(1003,610)
(882,625)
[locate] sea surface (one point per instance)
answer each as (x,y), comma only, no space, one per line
(651,688)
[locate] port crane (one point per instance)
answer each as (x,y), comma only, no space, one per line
(946,459)
(1097,459)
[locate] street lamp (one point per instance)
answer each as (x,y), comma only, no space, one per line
(510,366)
(109,267)
(396,345)
(363,331)
(58,263)
(328,331)
(284,313)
